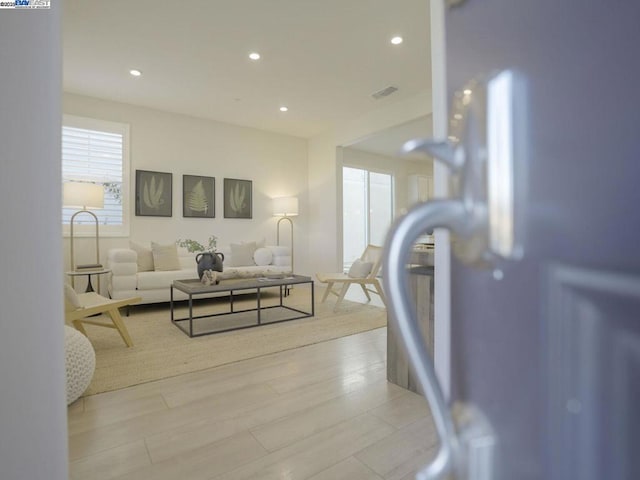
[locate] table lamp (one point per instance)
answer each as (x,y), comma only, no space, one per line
(285,207)
(83,195)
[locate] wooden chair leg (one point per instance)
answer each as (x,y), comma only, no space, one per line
(343,292)
(78,326)
(378,287)
(366,292)
(327,291)
(114,313)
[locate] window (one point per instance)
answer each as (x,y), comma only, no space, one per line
(367,210)
(97,151)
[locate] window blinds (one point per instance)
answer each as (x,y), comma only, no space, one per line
(94,156)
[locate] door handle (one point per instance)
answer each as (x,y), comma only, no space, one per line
(444,213)
(480,155)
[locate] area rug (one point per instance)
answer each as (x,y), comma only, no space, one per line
(161,350)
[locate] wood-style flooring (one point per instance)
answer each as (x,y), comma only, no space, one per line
(321,412)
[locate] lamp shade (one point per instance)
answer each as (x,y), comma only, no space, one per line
(285,206)
(82,195)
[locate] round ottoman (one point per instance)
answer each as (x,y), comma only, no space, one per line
(80,362)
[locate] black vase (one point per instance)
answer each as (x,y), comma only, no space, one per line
(209,261)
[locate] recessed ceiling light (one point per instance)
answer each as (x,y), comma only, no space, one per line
(135,73)
(284,109)
(254,56)
(396,40)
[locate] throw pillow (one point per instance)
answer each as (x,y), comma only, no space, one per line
(262,257)
(360,269)
(242,254)
(71,300)
(145,257)
(165,257)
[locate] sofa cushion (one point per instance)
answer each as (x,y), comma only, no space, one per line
(242,254)
(157,279)
(165,257)
(262,256)
(145,257)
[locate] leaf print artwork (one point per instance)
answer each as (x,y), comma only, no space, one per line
(152,194)
(197,198)
(237,198)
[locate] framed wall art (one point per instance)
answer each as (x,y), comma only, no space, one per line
(198,196)
(153,193)
(237,198)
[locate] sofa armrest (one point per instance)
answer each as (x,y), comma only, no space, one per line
(121,255)
(123,263)
(281,255)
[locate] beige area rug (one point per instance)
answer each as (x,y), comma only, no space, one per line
(161,350)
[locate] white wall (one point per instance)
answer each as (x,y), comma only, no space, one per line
(323,212)
(325,231)
(161,141)
(33,423)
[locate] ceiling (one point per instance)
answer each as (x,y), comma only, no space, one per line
(321,58)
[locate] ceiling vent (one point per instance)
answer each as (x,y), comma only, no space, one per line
(385,92)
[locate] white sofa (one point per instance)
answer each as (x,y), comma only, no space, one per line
(126,281)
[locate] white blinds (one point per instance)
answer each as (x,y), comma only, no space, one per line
(95,156)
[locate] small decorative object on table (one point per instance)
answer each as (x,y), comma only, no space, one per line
(209,277)
(208,258)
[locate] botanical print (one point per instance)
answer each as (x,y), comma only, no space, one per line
(153,193)
(198,196)
(237,198)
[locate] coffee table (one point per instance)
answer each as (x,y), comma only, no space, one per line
(271,310)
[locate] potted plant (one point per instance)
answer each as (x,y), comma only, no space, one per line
(207,258)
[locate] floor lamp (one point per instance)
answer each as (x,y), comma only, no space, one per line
(285,207)
(83,195)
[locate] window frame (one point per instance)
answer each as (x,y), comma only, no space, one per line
(87,123)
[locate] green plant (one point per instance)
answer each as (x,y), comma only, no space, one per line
(194,246)
(115,189)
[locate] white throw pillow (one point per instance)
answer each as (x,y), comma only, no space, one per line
(71,298)
(242,254)
(165,257)
(145,257)
(360,269)
(262,257)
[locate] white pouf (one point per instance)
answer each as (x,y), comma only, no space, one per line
(80,362)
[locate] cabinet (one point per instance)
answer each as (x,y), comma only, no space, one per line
(421,288)
(420,188)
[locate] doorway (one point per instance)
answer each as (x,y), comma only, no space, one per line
(367,210)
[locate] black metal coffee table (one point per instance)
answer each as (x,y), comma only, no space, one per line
(274,310)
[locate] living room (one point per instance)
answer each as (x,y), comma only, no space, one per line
(301,164)
(559,298)
(304,165)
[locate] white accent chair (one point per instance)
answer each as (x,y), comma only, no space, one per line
(364,272)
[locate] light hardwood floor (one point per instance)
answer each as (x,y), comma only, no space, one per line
(319,412)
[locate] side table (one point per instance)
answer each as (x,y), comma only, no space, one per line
(88,273)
